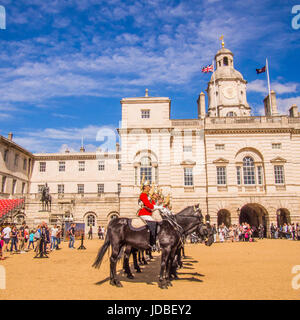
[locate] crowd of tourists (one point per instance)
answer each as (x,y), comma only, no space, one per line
(247,233)
(22,239)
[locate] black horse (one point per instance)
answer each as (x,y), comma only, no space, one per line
(189,220)
(120,235)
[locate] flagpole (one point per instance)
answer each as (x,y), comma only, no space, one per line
(269,87)
(213,62)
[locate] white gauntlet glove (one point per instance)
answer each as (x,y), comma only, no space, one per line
(158,207)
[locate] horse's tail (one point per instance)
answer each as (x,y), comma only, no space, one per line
(102,251)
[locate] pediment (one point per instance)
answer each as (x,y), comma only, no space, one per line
(188,163)
(220,161)
(278,160)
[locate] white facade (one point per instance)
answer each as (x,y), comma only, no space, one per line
(235,165)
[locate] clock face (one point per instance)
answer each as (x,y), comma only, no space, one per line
(229,92)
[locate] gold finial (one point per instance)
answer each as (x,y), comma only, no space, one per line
(222,38)
(146,93)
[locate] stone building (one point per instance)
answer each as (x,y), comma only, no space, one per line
(237,166)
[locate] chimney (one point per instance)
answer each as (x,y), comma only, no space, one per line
(82,149)
(10,136)
(268,111)
(201,106)
(117,147)
(294,111)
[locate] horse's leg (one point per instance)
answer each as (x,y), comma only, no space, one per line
(143,257)
(126,262)
(164,259)
(139,257)
(113,265)
(149,254)
(135,261)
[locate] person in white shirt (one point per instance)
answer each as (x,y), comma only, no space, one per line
(54,231)
(6,238)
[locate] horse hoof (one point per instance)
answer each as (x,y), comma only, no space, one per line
(119,285)
(145,262)
(138,271)
(130,276)
(169,283)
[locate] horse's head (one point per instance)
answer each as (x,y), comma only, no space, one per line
(206,233)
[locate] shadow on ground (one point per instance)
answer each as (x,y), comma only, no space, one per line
(150,273)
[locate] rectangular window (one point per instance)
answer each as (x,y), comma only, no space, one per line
(100,188)
(16,160)
(3,184)
(238,175)
(60,188)
(80,188)
(220,146)
(13,189)
(276,145)
(5,155)
(119,188)
(23,187)
(221,175)
(279,174)
(24,164)
(81,165)
(187,149)
(188,177)
(40,188)
(259,175)
(61,166)
(147,172)
(145,114)
(101,165)
(42,166)
(119,165)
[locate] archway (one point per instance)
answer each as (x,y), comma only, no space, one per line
(224,217)
(254,214)
(90,220)
(112,215)
(283,216)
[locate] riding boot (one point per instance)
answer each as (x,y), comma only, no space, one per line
(152,228)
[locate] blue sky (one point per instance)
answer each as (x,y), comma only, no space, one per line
(66,64)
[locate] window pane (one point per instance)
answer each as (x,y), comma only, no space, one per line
(238,175)
(279,174)
(221,175)
(81,165)
(101,165)
(100,188)
(248,170)
(80,188)
(42,166)
(259,174)
(188,177)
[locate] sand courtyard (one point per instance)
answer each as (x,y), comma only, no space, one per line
(259,270)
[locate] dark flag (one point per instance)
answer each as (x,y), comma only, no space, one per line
(263,69)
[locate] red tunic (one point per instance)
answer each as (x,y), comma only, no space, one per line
(148,205)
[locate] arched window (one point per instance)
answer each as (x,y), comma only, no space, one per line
(114,216)
(248,170)
(91,220)
(225,61)
(146,169)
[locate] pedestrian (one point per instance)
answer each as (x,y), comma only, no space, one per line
(99,232)
(54,231)
(31,239)
(90,233)
(6,237)
(58,237)
(14,239)
(72,236)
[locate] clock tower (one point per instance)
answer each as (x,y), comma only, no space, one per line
(227,88)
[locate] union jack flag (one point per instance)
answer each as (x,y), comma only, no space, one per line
(207,69)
